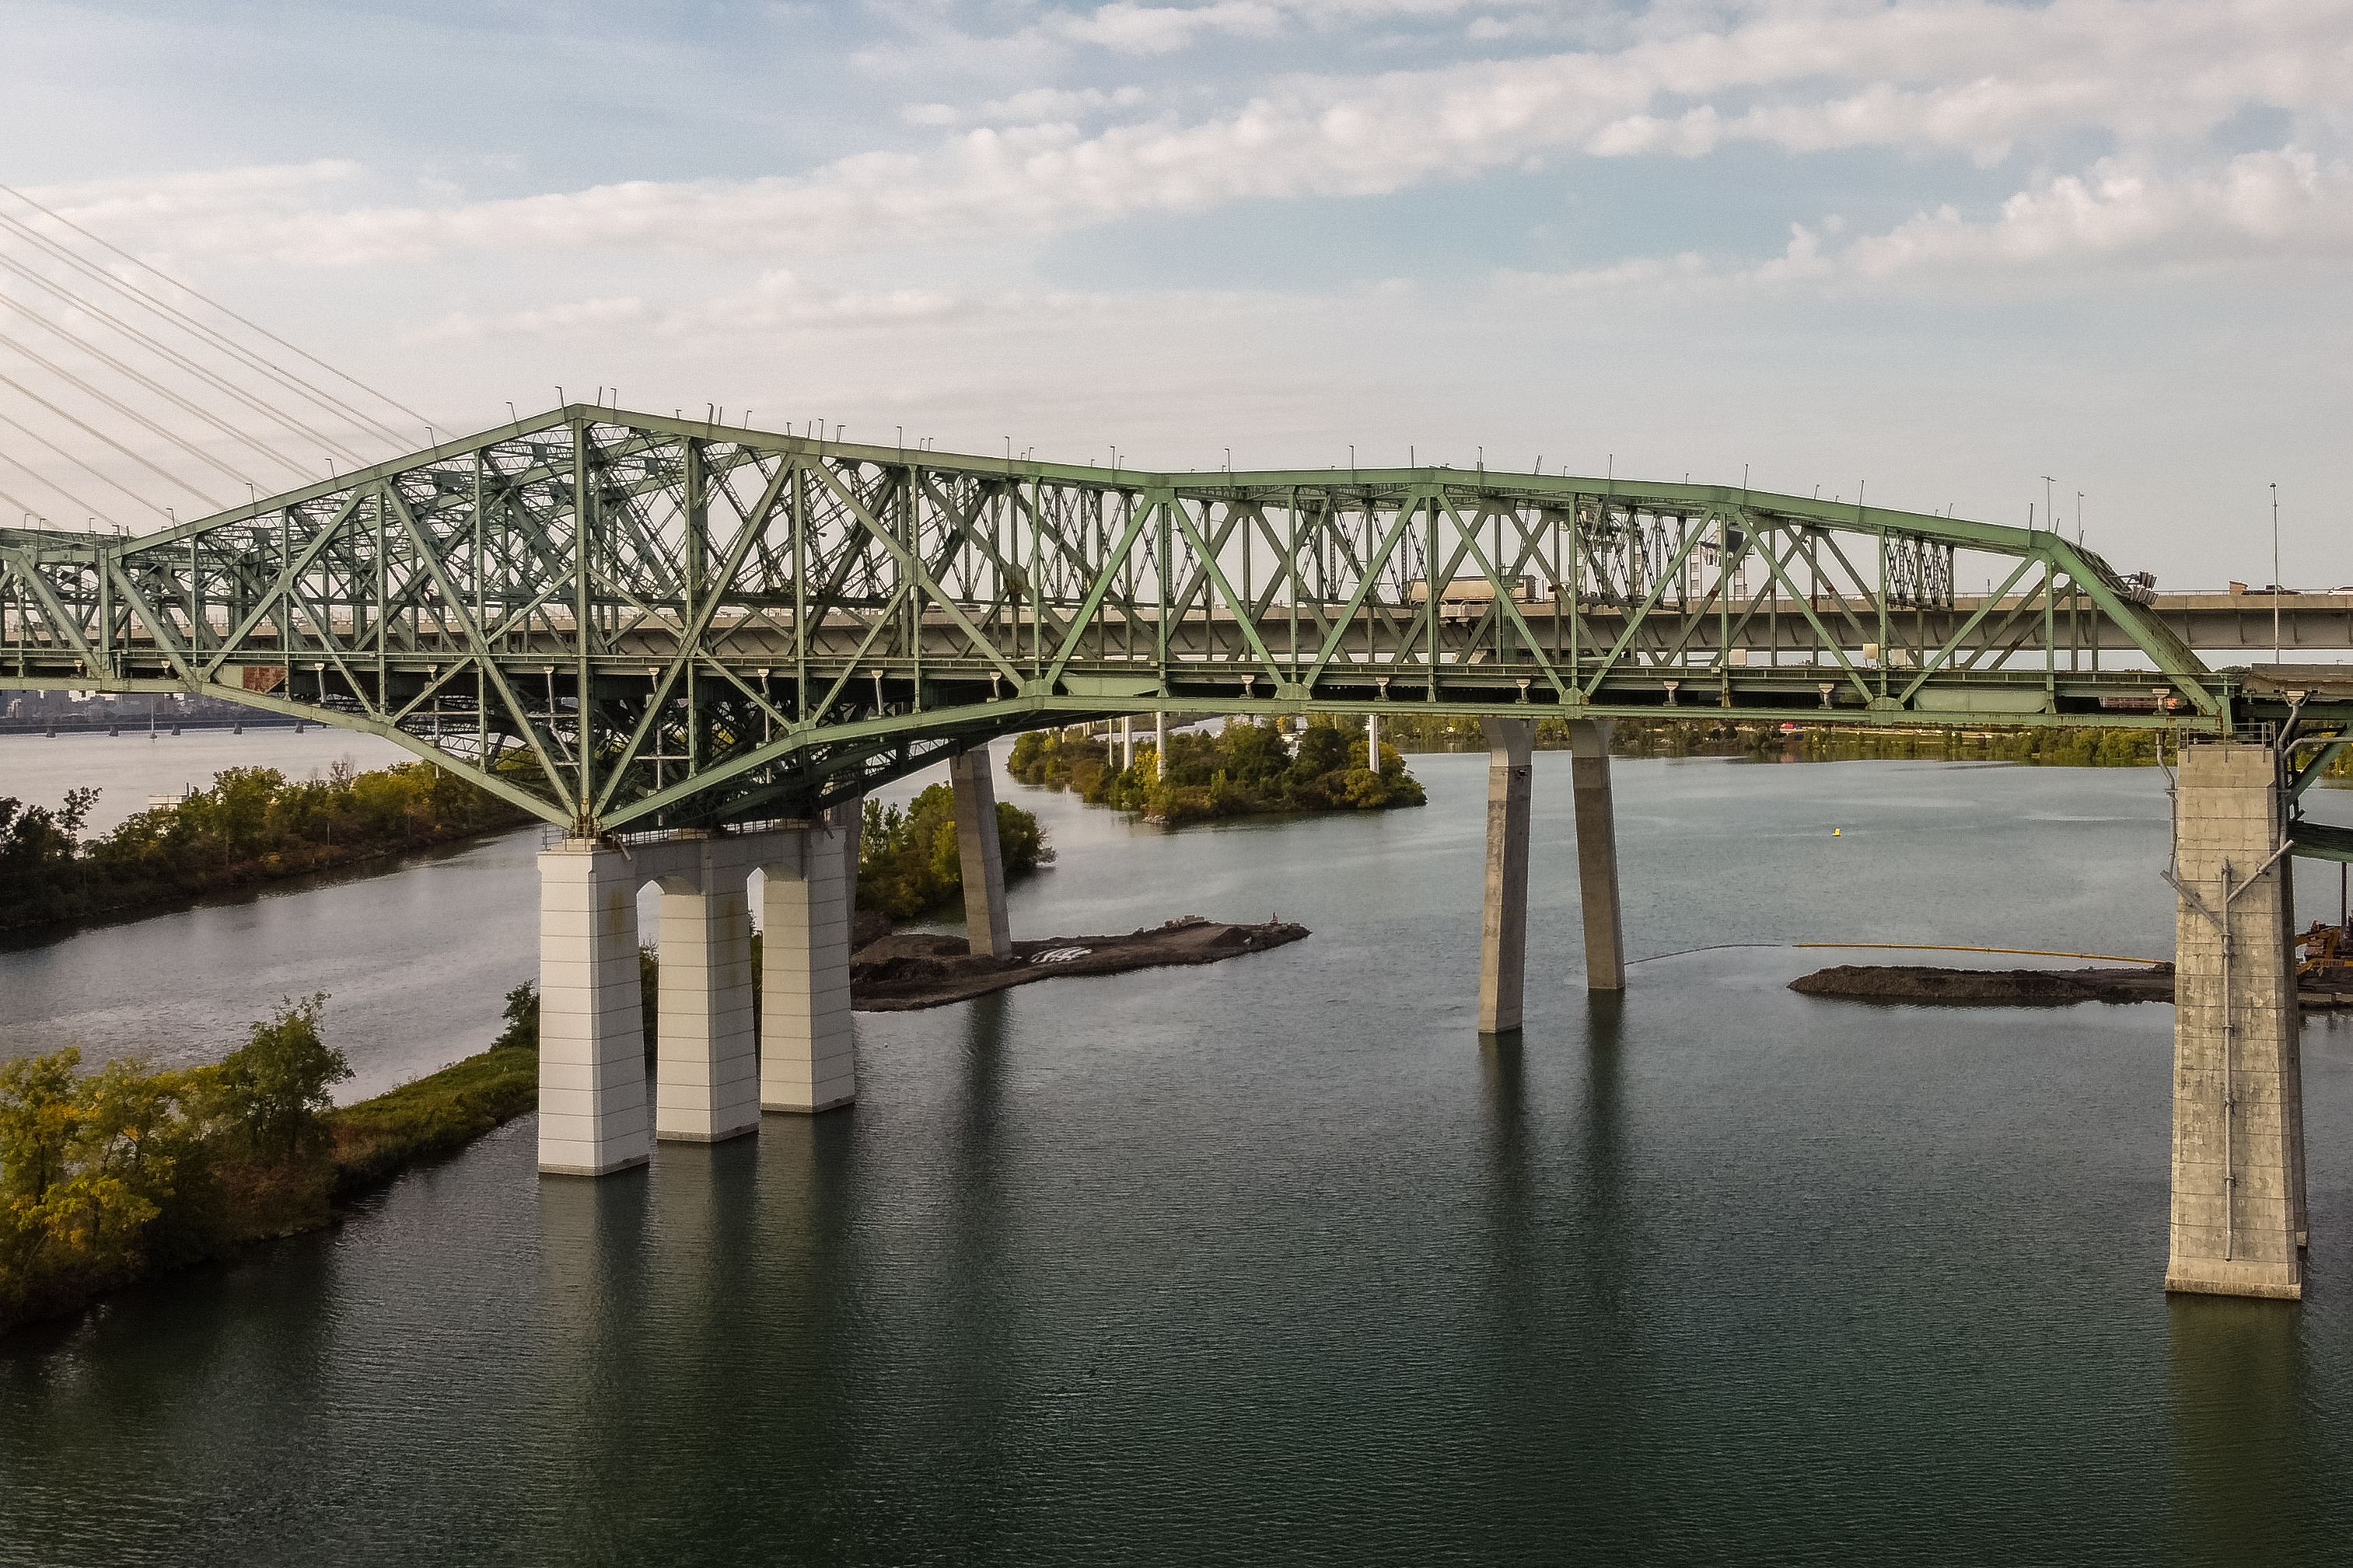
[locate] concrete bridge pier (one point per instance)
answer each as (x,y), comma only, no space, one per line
(706,1056)
(1597,854)
(976,847)
(592,1067)
(2238,1082)
(808,1056)
(1503,924)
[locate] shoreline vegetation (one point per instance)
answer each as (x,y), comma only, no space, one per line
(2040,745)
(908,864)
(253,825)
(1244,770)
(113,1177)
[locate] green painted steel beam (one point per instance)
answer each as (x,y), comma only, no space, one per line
(615,616)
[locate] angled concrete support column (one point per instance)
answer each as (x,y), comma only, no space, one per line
(809,1056)
(984,863)
(592,1062)
(706,1065)
(1597,854)
(2237,1080)
(1504,924)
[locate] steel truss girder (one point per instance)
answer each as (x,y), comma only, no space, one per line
(628,618)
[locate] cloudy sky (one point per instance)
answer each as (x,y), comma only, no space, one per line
(1945,247)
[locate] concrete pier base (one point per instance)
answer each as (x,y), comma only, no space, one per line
(1597,854)
(714,1071)
(592,1064)
(983,861)
(1504,924)
(2238,1094)
(808,1056)
(706,1064)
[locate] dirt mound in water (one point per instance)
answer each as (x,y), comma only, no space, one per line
(1988,987)
(909,970)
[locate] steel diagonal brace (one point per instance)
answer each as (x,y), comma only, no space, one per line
(850,669)
(2310,773)
(157,627)
(1364,582)
(67,627)
(1136,520)
(2172,657)
(482,652)
(1820,631)
(1216,576)
(690,640)
(1649,601)
(282,591)
(909,565)
(1952,644)
(1503,599)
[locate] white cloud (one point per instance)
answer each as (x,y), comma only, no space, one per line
(1049,103)
(2272,211)
(1958,76)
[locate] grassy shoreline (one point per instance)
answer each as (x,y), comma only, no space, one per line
(249,1199)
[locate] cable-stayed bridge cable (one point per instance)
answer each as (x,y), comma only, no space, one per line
(291,423)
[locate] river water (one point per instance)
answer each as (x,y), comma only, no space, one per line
(1274,1259)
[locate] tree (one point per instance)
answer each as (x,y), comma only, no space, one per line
(38,1118)
(521,1015)
(276,1084)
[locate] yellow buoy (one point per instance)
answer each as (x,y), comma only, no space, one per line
(1834,833)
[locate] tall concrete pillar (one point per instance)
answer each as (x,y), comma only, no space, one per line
(1503,925)
(1373,742)
(976,845)
(706,1061)
(2237,1080)
(592,1062)
(808,1056)
(1160,745)
(1126,742)
(1597,854)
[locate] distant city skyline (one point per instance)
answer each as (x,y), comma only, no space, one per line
(1949,249)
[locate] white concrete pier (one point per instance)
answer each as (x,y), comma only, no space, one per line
(983,861)
(808,1055)
(714,1073)
(706,1066)
(2238,1081)
(1597,854)
(592,1063)
(1503,924)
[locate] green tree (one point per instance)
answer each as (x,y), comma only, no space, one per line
(39,1117)
(521,1015)
(276,1084)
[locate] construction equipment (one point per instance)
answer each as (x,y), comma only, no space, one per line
(2328,954)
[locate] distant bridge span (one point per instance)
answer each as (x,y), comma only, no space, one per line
(765,625)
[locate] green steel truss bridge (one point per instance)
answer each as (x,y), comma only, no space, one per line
(618,620)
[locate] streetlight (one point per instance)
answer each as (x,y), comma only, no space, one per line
(2275,574)
(2049,516)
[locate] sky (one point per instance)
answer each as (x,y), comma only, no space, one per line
(1941,249)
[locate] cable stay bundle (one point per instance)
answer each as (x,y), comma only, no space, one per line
(128,397)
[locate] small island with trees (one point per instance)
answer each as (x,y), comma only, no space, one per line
(1247,768)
